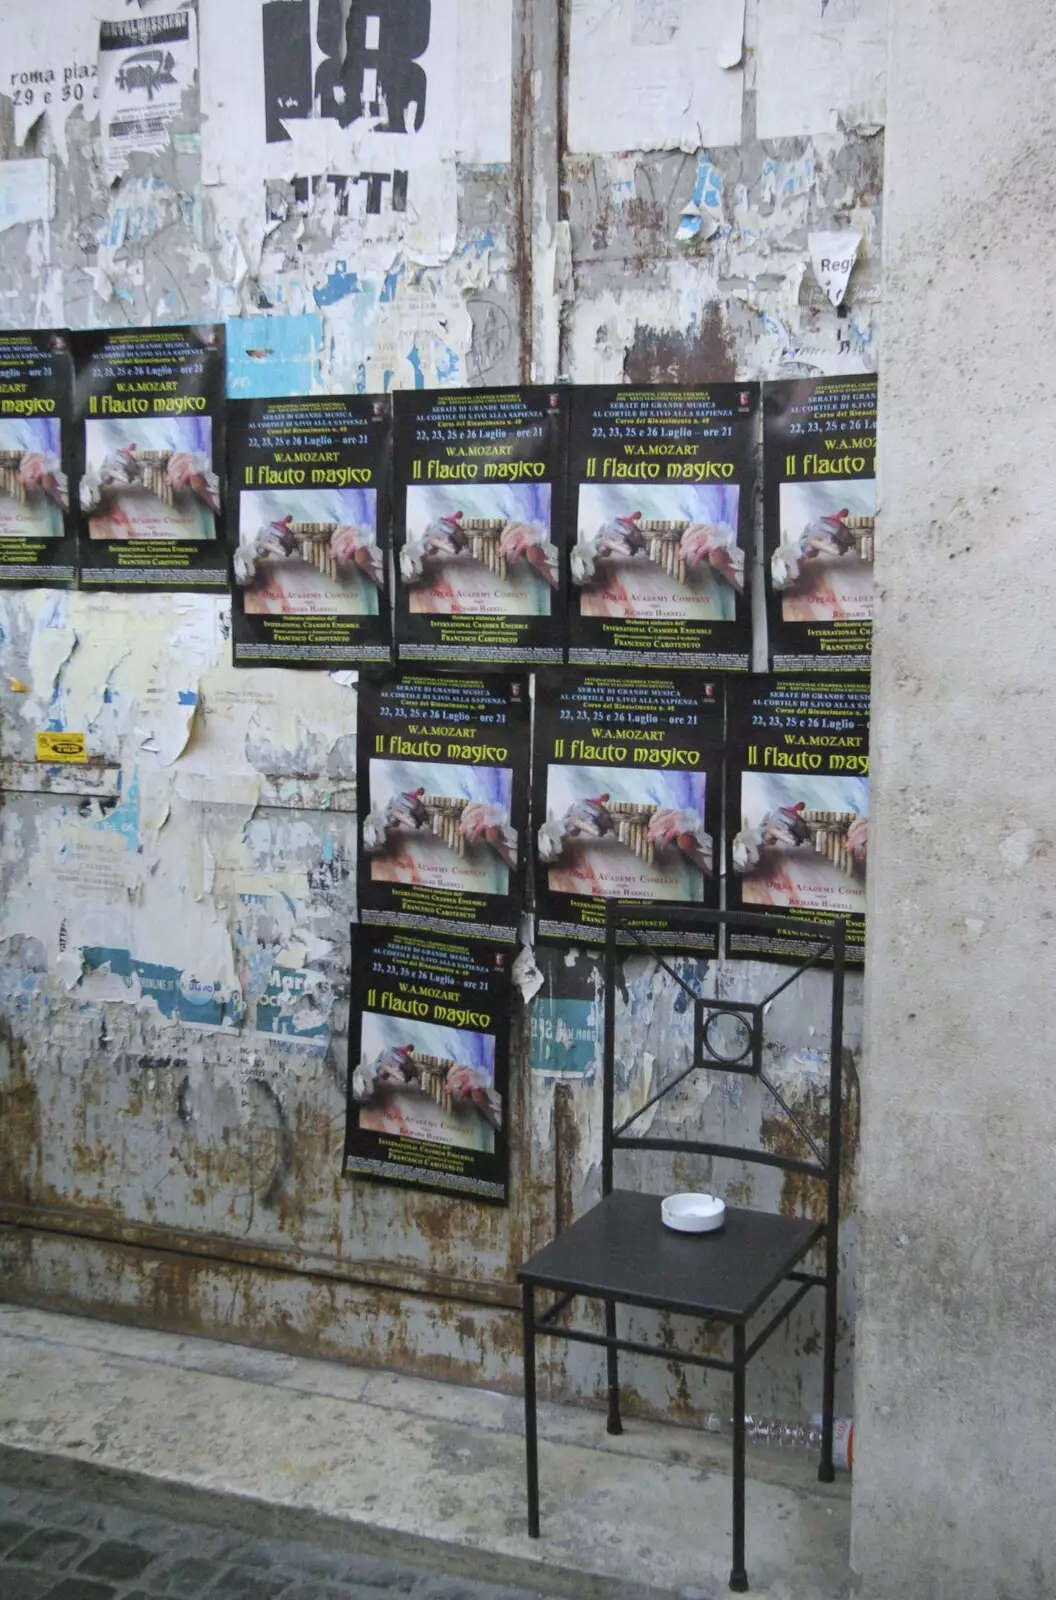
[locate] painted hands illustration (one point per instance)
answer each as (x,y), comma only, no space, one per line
(823,539)
(457,821)
(442,1079)
(26,472)
(678,547)
(841,836)
(646,830)
(166,473)
(495,542)
(328,546)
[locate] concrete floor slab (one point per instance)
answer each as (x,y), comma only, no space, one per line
(646,1513)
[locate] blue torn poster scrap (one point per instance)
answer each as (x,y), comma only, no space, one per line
(566,1037)
(181,995)
(273,356)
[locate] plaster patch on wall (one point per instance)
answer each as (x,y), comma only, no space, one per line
(25,192)
(672,60)
(820,67)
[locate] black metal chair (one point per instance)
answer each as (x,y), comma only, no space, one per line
(621,1252)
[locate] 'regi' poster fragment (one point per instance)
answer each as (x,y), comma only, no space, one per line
(797,810)
(443,799)
(480,570)
(308,521)
(819,506)
(150,417)
(428,1078)
(37,459)
(627,803)
(660,512)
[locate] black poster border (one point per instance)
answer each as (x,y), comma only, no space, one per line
(821,742)
(205,569)
(541,640)
(249,630)
(52,561)
(368,1145)
(796,647)
(447,742)
(682,455)
(556,920)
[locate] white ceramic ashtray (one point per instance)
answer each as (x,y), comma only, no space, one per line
(693,1213)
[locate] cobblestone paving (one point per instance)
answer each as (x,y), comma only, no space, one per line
(54,1548)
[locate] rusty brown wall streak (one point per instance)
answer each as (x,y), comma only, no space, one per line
(51,1220)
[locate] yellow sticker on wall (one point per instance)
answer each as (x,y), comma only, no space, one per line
(61,747)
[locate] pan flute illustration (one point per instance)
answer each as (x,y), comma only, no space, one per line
(445,814)
(632,825)
(663,540)
(483,543)
(313,545)
(828,833)
(862,530)
(154,464)
(10,483)
(431,1072)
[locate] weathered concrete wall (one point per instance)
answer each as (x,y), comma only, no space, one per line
(955,1475)
(174,942)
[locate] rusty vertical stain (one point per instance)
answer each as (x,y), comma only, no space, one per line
(523,184)
(665,355)
(566,1154)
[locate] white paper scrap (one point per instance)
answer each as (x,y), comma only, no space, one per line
(820,66)
(832,255)
(646,75)
(730,48)
(25,192)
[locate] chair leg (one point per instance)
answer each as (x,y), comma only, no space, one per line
(612,1366)
(826,1471)
(531,1449)
(738,1575)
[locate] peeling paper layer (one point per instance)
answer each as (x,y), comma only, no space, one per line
(820,66)
(649,71)
(25,192)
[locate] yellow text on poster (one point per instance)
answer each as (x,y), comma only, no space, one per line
(61,747)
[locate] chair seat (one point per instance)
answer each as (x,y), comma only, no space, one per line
(621,1250)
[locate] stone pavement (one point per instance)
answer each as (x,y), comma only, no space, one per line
(58,1548)
(421,1475)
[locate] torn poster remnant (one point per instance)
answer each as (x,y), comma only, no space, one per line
(832,256)
(371,101)
(146,64)
(818,73)
(25,192)
(673,61)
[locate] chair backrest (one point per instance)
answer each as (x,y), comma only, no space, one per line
(728,1037)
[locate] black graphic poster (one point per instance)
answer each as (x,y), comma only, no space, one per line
(480,570)
(819,506)
(150,417)
(428,1070)
(37,459)
(660,512)
(308,520)
(443,799)
(797,811)
(627,804)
